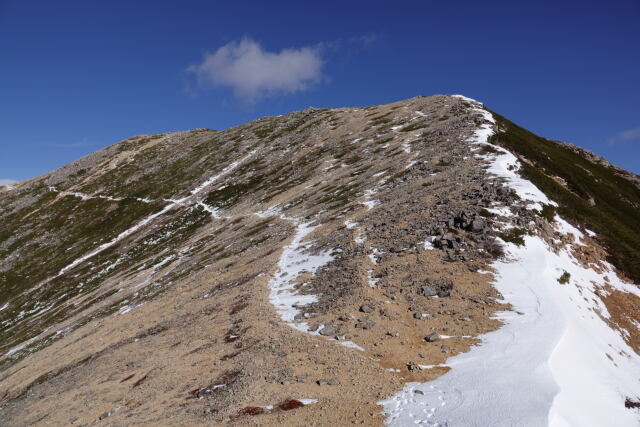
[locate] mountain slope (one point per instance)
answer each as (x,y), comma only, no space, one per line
(157,280)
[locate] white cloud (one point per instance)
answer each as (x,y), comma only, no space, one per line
(625,136)
(254,73)
(6,181)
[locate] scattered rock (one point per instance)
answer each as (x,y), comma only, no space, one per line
(329,381)
(428,291)
(365,325)
(413,366)
(327,330)
(477,225)
(366,309)
(432,337)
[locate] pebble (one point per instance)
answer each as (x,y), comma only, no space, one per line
(329,381)
(327,330)
(366,309)
(432,337)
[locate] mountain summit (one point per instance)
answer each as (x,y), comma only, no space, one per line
(422,262)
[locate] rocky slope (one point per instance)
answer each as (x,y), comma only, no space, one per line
(404,263)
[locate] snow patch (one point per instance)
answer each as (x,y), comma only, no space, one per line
(293,262)
(370,204)
(215,212)
(501,211)
(427,244)
(373,256)
(350,224)
(372,281)
(351,344)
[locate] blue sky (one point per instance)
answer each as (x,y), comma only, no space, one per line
(76,76)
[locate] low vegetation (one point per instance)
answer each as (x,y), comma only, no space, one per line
(593,195)
(564,278)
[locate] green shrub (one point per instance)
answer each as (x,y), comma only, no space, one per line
(514,235)
(564,278)
(548,212)
(488,149)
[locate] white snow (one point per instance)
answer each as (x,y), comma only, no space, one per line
(224,172)
(372,281)
(293,262)
(427,244)
(547,365)
(215,212)
(501,211)
(127,308)
(269,212)
(504,164)
(351,344)
(84,196)
(358,236)
(555,361)
(432,366)
(565,228)
(17,348)
(370,204)
(374,254)
(406,147)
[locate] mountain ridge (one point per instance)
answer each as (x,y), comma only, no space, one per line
(408,206)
